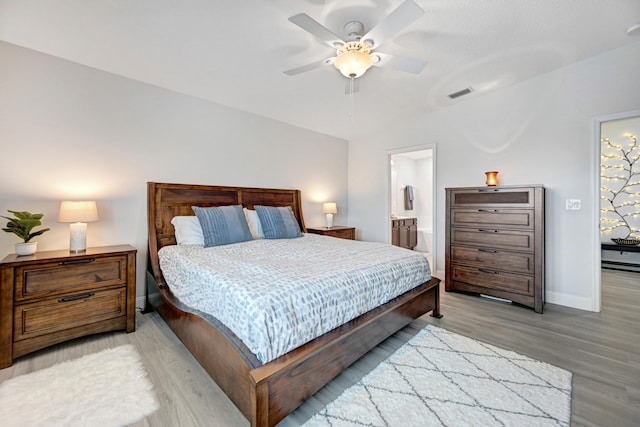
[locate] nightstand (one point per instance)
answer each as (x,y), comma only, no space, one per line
(54,296)
(339,231)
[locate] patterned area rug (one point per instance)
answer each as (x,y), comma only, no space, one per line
(439,378)
(106,389)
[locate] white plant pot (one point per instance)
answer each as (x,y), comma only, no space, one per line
(26,248)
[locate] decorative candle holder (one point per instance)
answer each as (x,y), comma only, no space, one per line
(492,178)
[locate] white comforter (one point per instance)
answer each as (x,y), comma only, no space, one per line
(276,295)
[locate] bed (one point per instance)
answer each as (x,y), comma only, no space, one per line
(264,392)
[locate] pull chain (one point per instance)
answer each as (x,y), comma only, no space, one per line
(351,82)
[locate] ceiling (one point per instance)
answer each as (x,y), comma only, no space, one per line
(234,52)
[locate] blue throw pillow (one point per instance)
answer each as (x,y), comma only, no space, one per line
(222,225)
(278,222)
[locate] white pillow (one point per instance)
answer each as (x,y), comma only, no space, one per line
(254,223)
(188,230)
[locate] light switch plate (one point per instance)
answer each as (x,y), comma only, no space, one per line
(573,204)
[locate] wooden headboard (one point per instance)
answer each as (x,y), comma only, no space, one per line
(164,201)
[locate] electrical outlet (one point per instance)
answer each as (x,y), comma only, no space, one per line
(573,204)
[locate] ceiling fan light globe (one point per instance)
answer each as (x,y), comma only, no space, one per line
(353,63)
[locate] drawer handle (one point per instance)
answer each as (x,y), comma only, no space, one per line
(491,251)
(488,231)
(488,271)
(487,210)
(76,297)
(77,261)
(486,190)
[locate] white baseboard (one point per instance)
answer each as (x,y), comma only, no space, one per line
(581,303)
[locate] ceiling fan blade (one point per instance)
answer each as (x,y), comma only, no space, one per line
(395,22)
(309,24)
(309,67)
(400,63)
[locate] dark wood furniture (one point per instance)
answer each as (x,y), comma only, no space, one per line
(494,243)
(404,232)
(53,296)
(338,231)
(265,393)
(620,257)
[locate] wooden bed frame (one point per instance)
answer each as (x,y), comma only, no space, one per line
(264,393)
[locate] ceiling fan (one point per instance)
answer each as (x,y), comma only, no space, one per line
(356,53)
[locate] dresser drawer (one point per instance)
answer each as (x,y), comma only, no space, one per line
(493,280)
(505,196)
(67,312)
(512,218)
(56,278)
(518,262)
(501,239)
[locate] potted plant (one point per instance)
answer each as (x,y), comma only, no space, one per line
(22,225)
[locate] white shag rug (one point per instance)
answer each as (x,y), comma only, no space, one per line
(439,378)
(108,389)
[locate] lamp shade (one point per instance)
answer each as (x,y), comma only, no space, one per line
(329,208)
(78,211)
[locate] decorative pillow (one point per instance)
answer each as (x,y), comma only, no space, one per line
(254,223)
(222,225)
(278,222)
(187,230)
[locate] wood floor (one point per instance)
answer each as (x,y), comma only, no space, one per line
(601,349)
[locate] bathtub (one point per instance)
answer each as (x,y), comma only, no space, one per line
(425,240)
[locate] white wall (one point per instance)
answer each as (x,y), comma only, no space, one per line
(537,132)
(71,132)
(424,179)
(405,175)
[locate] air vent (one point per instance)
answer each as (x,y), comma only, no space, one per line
(460,93)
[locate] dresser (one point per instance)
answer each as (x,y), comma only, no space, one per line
(494,242)
(404,232)
(54,296)
(338,231)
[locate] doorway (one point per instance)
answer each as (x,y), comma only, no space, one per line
(412,171)
(613,127)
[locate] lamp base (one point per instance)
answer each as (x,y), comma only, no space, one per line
(329,220)
(78,237)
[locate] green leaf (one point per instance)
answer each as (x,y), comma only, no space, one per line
(22,224)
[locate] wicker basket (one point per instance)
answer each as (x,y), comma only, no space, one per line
(627,242)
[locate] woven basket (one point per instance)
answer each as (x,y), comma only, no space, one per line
(627,242)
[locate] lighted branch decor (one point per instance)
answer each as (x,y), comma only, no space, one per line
(620,190)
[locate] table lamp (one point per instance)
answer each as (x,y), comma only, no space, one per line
(78,213)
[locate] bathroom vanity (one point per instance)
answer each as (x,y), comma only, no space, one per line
(404,232)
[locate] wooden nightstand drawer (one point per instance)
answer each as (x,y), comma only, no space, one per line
(66,312)
(342,234)
(338,231)
(55,278)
